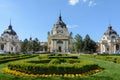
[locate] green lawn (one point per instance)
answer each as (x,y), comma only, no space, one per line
(111,72)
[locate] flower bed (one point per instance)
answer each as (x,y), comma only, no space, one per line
(18,73)
(51,66)
(52,69)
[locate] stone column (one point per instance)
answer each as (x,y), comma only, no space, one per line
(55,46)
(0,47)
(52,46)
(64,46)
(101,48)
(110,48)
(114,48)
(67,46)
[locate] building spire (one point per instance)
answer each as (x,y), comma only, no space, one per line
(10,21)
(60,18)
(10,26)
(109,26)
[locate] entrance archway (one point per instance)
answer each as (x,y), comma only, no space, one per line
(59,44)
(117,47)
(59,49)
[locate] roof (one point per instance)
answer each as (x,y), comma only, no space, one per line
(110,31)
(10,31)
(60,23)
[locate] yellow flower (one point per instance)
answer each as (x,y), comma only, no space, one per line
(17,73)
(72,75)
(65,75)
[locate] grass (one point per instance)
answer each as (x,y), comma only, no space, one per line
(111,72)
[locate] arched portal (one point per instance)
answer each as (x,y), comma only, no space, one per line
(59,49)
(117,47)
(60,44)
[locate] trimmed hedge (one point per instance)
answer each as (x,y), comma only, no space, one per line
(60,57)
(16,57)
(54,64)
(72,61)
(55,61)
(40,61)
(52,69)
(110,58)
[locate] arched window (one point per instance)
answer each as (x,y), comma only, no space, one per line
(113,37)
(60,42)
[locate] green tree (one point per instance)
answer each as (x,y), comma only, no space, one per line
(30,45)
(78,43)
(93,46)
(36,45)
(89,45)
(24,46)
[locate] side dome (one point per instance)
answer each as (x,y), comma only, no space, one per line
(110,31)
(10,31)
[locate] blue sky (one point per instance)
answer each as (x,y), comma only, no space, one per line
(36,17)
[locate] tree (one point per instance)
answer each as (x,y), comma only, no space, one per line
(36,45)
(89,45)
(93,46)
(24,46)
(31,45)
(78,43)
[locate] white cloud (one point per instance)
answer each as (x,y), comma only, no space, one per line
(73,2)
(91,3)
(72,26)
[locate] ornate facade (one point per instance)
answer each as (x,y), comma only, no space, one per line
(110,42)
(59,40)
(9,41)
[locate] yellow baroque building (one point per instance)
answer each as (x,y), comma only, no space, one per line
(59,40)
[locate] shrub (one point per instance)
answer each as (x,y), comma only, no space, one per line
(72,61)
(55,61)
(61,54)
(16,57)
(52,68)
(55,64)
(62,57)
(58,54)
(39,61)
(43,57)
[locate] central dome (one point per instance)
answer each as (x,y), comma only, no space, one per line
(60,23)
